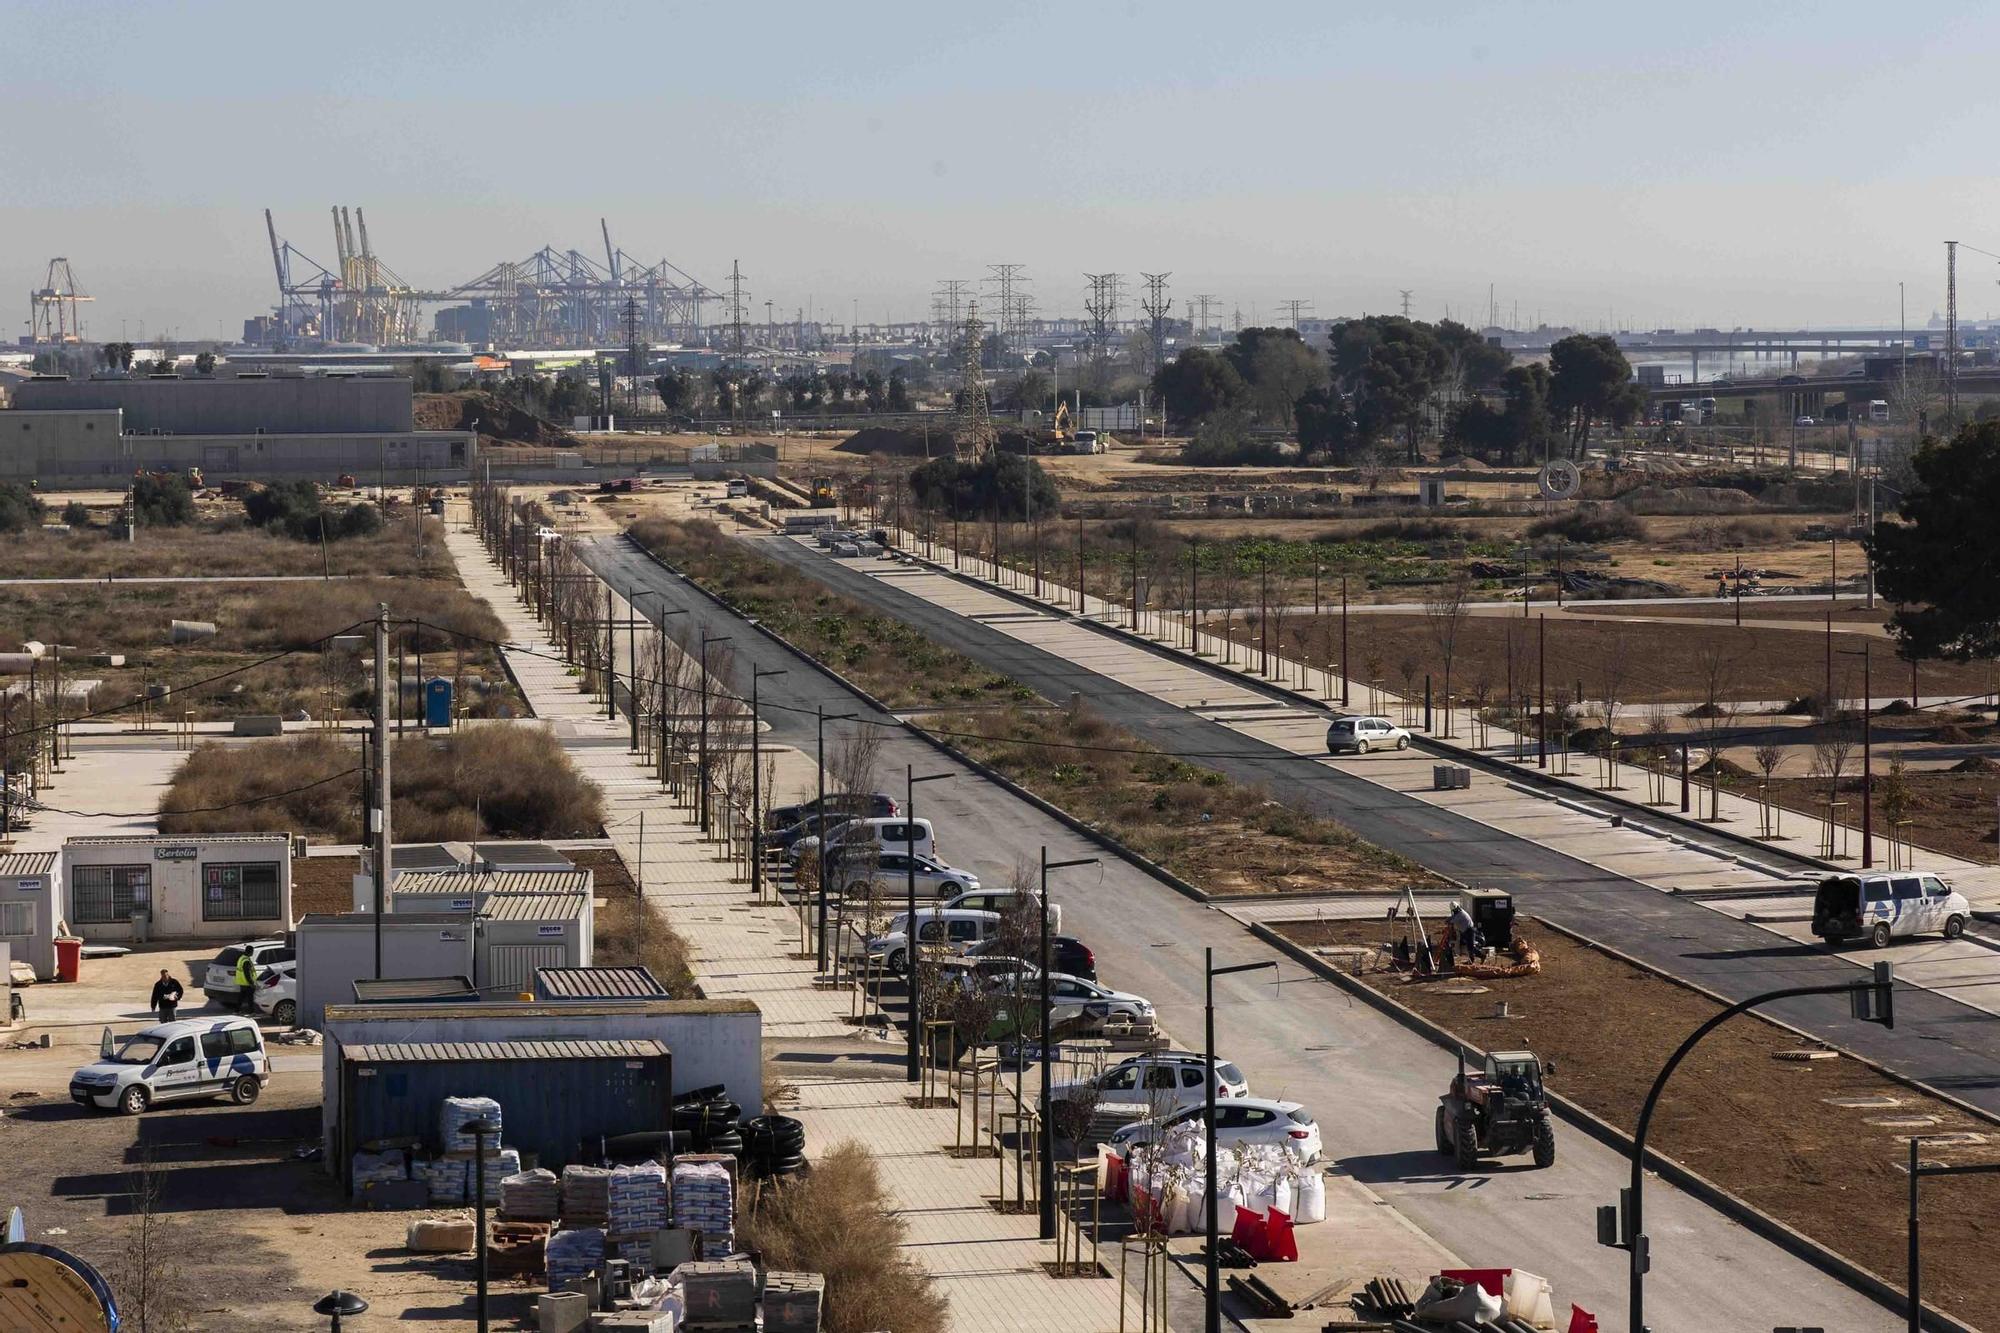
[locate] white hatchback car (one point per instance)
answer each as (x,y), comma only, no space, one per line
(1362,734)
(1168,1081)
(179,1061)
(1238,1121)
(278,993)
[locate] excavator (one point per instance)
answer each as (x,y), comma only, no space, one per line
(822,492)
(1058,438)
(192,476)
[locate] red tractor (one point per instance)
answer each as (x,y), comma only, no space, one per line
(1498,1109)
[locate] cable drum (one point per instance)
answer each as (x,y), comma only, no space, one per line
(1559,479)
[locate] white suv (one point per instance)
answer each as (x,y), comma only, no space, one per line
(219,983)
(1157,1084)
(1362,734)
(178,1061)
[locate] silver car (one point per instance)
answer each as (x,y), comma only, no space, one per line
(891,875)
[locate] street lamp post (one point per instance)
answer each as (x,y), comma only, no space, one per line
(701,760)
(819,813)
(480,1130)
(1918,1171)
(1867,755)
(1048,1183)
(757,789)
(1212,1282)
(910,781)
(1873,1002)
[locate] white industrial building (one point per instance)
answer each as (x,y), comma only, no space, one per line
(132,888)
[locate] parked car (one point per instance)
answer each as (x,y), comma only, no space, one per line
(865,805)
(1362,734)
(178,1061)
(1804,421)
(880,835)
(955,931)
(786,838)
(278,993)
(219,982)
(1077,1005)
(1879,908)
(1067,954)
(1156,1084)
(1242,1120)
(1002,901)
(891,873)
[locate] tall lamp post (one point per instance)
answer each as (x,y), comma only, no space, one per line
(1873,1002)
(819,813)
(1918,1170)
(480,1129)
(701,761)
(1866,655)
(910,781)
(757,673)
(1048,1210)
(1212,1281)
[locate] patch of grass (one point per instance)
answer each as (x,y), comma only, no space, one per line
(222,542)
(836,1221)
(1592,525)
(486,782)
(632,932)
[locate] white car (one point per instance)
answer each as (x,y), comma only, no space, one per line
(1362,734)
(1002,901)
(1156,1084)
(1075,1005)
(891,876)
(219,982)
(178,1061)
(1241,1120)
(278,993)
(950,932)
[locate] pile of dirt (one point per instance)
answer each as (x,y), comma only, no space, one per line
(1688,500)
(1976,764)
(498,419)
(1951,733)
(1728,768)
(884,440)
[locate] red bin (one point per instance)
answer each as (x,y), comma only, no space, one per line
(69,958)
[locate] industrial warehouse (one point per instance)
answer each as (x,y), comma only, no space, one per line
(249,425)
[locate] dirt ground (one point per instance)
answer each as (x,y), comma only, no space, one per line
(1668,663)
(1773,1131)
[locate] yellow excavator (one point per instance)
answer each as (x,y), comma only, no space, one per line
(1058,438)
(821,491)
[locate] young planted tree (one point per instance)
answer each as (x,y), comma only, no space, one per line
(1768,757)
(1445,615)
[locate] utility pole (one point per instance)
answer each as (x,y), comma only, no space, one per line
(1011,324)
(1156,303)
(1950,331)
(736,295)
(382,830)
(1294,310)
(1407,293)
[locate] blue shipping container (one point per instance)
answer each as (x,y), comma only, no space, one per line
(555,1096)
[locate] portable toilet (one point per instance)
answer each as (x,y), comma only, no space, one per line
(437,703)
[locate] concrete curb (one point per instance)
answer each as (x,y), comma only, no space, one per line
(1793,1242)
(1069,821)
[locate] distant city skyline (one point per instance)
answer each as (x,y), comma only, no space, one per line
(1728,169)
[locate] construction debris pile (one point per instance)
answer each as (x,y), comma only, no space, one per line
(1507,1300)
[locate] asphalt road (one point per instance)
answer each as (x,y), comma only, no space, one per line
(1372,1085)
(1937,1039)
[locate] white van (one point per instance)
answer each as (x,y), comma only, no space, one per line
(953,929)
(1002,901)
(178,1061)
(892,833)
(1879,908)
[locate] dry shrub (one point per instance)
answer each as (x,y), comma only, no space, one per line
(836,1221)
(632,932)
(298,615)
(223,544)
(498,782)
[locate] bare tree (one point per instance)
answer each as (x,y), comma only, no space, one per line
(1716,666)
(146,1271)
(1830,754)
(1768,756)
(1614,668)
(1445,613)
(1407,667)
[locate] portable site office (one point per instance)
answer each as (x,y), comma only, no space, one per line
(30,908)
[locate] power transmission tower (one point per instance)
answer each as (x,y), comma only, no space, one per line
(948,308)
(1156,303)
(1406,301)
(1293,310)
(1005,278)
(1951,331)
(736,295)
(1102,307)
(1205,304)
(633,352)
(975,437)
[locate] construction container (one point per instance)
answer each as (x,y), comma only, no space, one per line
(598,983)
(555,1095)
(334,952)
(29,907)
(523,933)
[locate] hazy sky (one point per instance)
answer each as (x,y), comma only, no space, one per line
(1683,164)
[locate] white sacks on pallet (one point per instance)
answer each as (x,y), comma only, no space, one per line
(499,1166)
(375,1168)
(1167,1181)
(570,1255)
(637,1206)
(704,1200)
(531,1196)
(445,1175)
(456,1113)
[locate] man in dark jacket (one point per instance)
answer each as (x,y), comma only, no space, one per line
(166,996)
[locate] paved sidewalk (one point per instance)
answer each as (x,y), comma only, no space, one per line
(988,1263)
